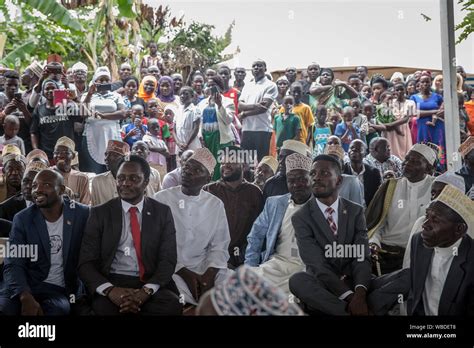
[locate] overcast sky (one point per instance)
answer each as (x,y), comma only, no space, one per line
(332,33)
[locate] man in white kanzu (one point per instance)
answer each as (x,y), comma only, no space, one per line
(202,232)
(396,206)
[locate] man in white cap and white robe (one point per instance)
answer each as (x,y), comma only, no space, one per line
(397,205)
(272,247)
(202,231)
(442,258)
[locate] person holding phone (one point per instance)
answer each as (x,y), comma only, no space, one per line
(217,115)
(104,111)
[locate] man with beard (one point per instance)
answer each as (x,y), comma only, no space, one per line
(78,182)
(255,111)
(276,185)
(442,258)
(335,282)
(396,206)
(173,178)
(265,170)
(14,164)
(23,199)
(202,231)
(242,200)
(271,242)
(128,254)
(43,284)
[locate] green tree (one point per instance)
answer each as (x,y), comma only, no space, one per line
(467,24)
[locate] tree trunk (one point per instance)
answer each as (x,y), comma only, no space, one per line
(110,60)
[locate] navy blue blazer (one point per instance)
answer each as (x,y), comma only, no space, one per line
(29,227)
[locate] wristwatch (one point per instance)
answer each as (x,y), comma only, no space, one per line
(148,291)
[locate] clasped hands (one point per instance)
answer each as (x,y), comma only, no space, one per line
(127,299)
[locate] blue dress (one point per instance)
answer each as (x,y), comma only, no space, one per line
(428,133)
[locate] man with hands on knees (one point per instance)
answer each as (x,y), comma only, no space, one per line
(127,262)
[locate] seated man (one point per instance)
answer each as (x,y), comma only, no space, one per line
(173,178)
(381,158)
(332,240)
(271,242)
(43,283)
(128,253)
(276,185)
(369,177)
(442,258)
(265,170)
(202,231)
(14,164)
(397,205)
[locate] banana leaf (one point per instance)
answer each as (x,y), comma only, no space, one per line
(18,53)
(56,13)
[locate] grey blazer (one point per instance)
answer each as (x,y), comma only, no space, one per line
(315,240)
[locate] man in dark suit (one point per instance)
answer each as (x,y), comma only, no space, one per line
(43,279)
(128,253)
(369,176)
(442,258)
(332,239)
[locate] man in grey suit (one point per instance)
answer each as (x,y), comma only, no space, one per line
(332,239)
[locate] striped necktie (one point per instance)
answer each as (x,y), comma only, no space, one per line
(332,224)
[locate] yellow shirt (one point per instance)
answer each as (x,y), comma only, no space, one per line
(303,111)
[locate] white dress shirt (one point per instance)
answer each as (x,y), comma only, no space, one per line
(125,261)
(436,278)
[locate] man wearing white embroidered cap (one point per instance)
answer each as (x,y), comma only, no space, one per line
(202,231)
(442,258)
(397,205)
(276,185)
(437,187)
(272,243)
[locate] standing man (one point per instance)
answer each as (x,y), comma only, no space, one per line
(202,231)
(369,177)
(290,74)
(442,258)
(64,153)
(362,72)
(125,73)
(313,73)
(239,78)
(276,185)
(272,244)
(397,205)
(43,285)
(128,254)
(337,283)
(255,113)
(242,200)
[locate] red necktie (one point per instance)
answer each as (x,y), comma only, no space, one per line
(330,220)
(135,225)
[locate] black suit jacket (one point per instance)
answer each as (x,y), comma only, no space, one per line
(372,180)
(314,237)
(11,206)
(29,228)
(457,297)
(102,237)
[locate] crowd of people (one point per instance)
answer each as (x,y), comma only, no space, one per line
(310,195)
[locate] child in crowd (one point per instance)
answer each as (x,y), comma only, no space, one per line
(368,110)
(158,150)
(321,131)
(11,128)
(130,99)
(169,117)
(360,120)
(136,128)
(366,92)
(346,130)
(303,111)
(286,124)
(153,111)
(334,118)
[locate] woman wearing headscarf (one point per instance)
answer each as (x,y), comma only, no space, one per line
(396,78)
(106,109)
(147,88)
(165,93)
(330,93)
(217,115)
(51,122)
